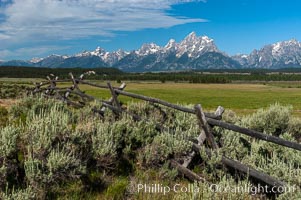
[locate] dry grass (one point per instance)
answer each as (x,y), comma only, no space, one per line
(6,103)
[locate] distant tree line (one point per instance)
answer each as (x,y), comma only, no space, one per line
(205,76)
(35,72)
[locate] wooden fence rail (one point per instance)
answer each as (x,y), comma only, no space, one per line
(255,134)
(206,122)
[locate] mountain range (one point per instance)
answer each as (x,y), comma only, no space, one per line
(192,53)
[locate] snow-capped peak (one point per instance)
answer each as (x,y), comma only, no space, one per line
(195,46)
(121,53)
(98,48)
(98,52)
(280,54)
(171,45)
(293,41)
(36,60)
(206,39)
(285,47)
(146,49)
(276,46)
(190,38)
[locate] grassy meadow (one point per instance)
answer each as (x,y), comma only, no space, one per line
(243,98)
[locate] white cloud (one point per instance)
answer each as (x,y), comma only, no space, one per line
(31,23)
(43,20)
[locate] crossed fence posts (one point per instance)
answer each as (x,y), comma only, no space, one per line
(206,121)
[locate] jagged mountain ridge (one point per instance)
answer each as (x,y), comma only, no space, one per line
(279,55)
(192,52)
(177,56)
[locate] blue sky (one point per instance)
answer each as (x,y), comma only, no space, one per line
(37,28)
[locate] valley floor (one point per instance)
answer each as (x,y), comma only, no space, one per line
(240,97)
(243,98)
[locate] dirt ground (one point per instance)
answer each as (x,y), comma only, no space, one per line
(6,103)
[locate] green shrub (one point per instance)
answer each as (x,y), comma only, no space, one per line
(57,146)
(140,133)
(107,138)
(294,128)
(25,194)
(36,105)
(34,172)
(278,161)
(230,116)
(3,116)
(168,174)
(62,163)
(164,146)
(8,147)
(44,127)
(3,111)
(8,141)
(8,90)
(273,120)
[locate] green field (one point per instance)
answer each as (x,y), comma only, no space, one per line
(240,97)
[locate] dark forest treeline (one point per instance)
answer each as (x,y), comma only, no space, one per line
(193,77)
(252,70)
(35,72)
(206,76)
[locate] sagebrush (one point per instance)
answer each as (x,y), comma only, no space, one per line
(51,151)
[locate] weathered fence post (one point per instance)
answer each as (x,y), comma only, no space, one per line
(114,96)
(205,126)
(243,168)
(201,138)
(188,173)
(111,100)
(219,111)
(74,81)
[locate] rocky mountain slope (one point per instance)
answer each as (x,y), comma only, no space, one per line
(192,52)
(278,55)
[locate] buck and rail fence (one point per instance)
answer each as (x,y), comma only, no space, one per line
(206,121)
